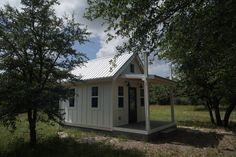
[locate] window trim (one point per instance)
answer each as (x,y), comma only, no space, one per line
(120,96)
(71,97)
(94,96)
(131,68)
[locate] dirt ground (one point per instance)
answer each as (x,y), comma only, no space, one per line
(185,141)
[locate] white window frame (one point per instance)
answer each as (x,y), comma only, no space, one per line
(97,96)
(72,97)
(141,97)
(133,68)
(120,96)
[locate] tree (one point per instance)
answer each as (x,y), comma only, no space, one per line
(201,43)
(160,94)
(143,22)
(196,35)
(36,56)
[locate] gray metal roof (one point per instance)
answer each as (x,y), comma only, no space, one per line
(101,67)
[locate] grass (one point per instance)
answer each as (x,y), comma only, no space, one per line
(56,147)
(187,115)
(16,144)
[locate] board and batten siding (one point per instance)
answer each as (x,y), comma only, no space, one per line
(137,68)
(121,115)
(82,114)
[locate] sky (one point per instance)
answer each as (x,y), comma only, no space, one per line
(97,45)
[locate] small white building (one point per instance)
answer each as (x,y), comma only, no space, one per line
(114,98)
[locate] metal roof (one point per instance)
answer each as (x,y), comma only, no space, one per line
(101,67)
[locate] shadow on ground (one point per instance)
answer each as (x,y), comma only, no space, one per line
(196,123)
(68,147)
(206,124)
(188,137)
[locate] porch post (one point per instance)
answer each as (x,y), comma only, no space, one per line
(172,107)
(146,95)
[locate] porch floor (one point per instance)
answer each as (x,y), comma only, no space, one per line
(141,125)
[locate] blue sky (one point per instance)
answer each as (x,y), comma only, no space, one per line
(90,48)
(97,46)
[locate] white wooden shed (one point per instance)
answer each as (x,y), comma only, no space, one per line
(114,98)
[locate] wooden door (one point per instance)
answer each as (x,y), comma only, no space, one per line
(132,105)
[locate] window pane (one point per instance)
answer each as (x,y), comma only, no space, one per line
(120,102)
(132,68)
(120,91)
(142,92)
(94,102)
(71,92)
(71,97)
(94,91)
(142,101)
(71,102)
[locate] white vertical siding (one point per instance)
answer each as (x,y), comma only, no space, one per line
(121,115)
(83,114)
(137,68)
(70,114)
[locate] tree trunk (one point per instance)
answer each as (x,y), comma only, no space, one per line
(32,115)
(210,113)
(217,115)
(229,111)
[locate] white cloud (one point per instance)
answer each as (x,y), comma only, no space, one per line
(78,8)
(95,27)
(14,3)
(159,67)
(108,49)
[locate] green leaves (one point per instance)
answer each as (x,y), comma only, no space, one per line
(36,55)
(198,36)
(200,41)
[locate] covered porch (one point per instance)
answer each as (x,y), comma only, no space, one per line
(149,126)
(140,127)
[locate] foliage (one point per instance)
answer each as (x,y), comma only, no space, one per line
(188,115)
(200,41)
(36,56)
(159,94)
(143,22)
(198,36)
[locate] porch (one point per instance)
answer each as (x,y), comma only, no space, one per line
(148,126)
(140,127)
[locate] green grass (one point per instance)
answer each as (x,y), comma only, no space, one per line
(186,115)
(16,144)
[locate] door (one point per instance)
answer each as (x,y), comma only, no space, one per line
(132,105)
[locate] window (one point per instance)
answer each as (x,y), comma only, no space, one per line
(71,97)
(120,97)
(132,68)
(94,97)
(142,97)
